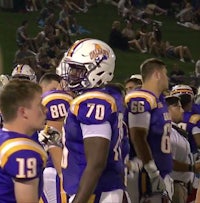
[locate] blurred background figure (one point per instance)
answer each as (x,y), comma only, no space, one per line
(135,81)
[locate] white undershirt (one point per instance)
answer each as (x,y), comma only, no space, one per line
(195,130)
(141,120)
(180,149)
(97,130)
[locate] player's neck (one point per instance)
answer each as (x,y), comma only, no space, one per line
(18,128)
(152,87)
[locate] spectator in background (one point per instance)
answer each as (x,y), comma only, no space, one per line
(129,33)
(22,36)
(32,5)
(44,64)
(176,75)
(153,9)
(45,13)
(155,42)
(181,52)
(116,39)
(185,15)
(25,56)
(133,82)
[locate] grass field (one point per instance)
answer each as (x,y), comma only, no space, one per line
(98,20)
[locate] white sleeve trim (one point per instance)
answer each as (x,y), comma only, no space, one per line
(97,130)
(195,130)
(141,120)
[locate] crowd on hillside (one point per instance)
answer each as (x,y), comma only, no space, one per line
(136,30)
(93,140)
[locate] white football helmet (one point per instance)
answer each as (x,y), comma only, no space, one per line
(178,90)
(24,71)
(136,76)
(88,63)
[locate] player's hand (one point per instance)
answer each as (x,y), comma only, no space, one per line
(134,165)
(157,182)
(50,136)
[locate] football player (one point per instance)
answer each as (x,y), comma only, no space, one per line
(150,127)
(135,81)
(50,81)
(57,103)
(92,161)
(191,124)
(191,121)
(183,163)
(22,159)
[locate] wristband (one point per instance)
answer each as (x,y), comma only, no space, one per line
(152,169)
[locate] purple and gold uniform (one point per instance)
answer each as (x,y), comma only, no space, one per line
(57,103)
(125,146)
(95,106)
(196,108)
(191,124)
(141,101)
(21,159)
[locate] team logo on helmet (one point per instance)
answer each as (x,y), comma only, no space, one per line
(98,50)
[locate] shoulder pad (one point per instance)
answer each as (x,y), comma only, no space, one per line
(57,105)
(93,107)
(56,96)
(194,119)
(20,145)
(140,101)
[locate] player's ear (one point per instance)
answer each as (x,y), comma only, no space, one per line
(22,112)
(157,75)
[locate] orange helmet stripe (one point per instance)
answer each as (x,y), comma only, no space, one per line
(73,47)
(19,68)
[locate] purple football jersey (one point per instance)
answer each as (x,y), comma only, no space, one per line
(21,158)
(95,106)
(190,120)
(57,103)
(140,101)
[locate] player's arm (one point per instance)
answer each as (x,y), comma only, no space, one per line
(96,151)
(24,161)
(93,116)
(139,123)
(195,120)
(139,117)
(56,151)
(138,135)
(51,139)
(57,105)
(26,191)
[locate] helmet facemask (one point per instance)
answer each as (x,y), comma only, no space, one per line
(88,63)
(78,74)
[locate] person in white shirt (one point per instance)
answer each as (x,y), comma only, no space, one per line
(184,167)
